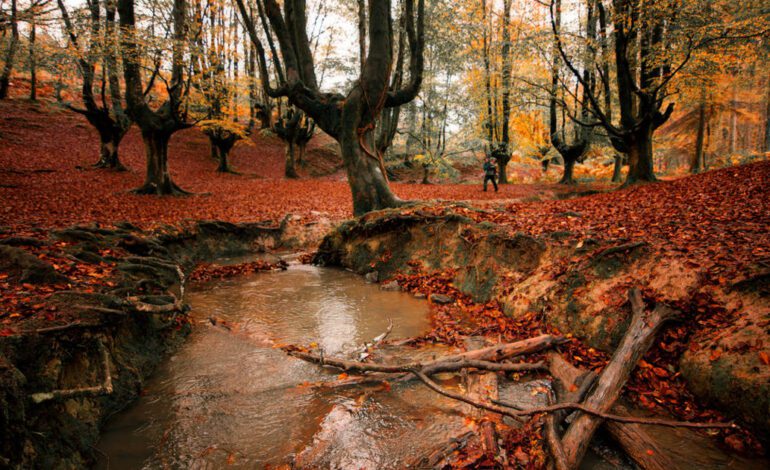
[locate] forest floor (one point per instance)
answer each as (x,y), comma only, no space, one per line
(716,223)
(46,178)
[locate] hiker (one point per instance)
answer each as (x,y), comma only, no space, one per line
(490,173)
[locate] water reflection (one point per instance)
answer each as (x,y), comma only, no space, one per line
(232,399)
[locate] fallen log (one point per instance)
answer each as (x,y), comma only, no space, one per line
(430,368)
(637,340)
(552,422)
(485,358)
(483,386)
(632,437)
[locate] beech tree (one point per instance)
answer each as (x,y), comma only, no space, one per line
(157,125)
(574,152)
(652,43)
(109,119)
(350,119)
(214,44)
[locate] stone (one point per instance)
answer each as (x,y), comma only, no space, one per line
(441,299)
(391,286)
(419,295)
(372,276)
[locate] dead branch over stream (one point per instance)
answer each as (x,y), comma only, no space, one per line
(590,397)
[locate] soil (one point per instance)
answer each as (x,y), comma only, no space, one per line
(508,283)
(79,292)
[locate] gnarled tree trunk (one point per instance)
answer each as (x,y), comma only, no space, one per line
(157,178)
(157,125)
(109,142)
(366,177)
(640,156)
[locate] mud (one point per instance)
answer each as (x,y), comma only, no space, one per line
(578,286)
(135,316)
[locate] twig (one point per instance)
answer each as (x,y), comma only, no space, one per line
(460,397)
(364,350)
(613,417)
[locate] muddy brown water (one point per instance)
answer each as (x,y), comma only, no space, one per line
(232,399)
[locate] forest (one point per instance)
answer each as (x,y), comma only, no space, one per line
(525,234)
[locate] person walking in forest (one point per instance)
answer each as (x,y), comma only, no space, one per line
(490,173)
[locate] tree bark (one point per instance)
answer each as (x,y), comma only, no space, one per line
(32,58)
(696,164)
(569,166)
(504,154)
(637,340)
(290,168)
(5,78)
(767,116)
(617,175)
(157,178)
(640,156)
(224,163)
(157,125)
(366,176)
(301,151)
(110,138)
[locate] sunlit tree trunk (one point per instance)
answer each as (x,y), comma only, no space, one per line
(696,164)
(767,116)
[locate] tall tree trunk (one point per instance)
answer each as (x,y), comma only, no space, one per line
(569,167)
(734,121)
(361,34)
(5,78)
(696,164)
(504,153)
(32,59)
(490,121)
(767,116)
(157,125)
(617,171)
(366,177)
(214,149)
(301,151)
(290,169)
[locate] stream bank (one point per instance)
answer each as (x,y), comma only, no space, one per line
(94,310)
(577,283)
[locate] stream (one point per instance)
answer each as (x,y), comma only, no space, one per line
(231,398)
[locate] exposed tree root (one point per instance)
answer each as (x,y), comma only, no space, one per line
(103,389)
